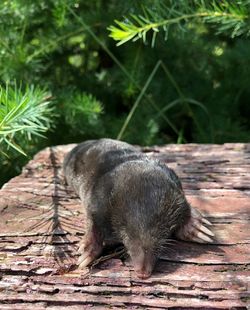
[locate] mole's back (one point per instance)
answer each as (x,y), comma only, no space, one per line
(92,159)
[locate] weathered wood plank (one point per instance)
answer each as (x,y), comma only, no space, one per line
(41,223)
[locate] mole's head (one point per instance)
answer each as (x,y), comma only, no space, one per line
(147,208)
(143,249)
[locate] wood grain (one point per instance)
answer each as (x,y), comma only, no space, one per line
(42,221)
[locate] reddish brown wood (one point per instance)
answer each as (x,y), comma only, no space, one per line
(41,223)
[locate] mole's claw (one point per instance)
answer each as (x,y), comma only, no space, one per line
(206,230)
(205,221)
(195,229)
(89,249)
(81,247)
(196,239)
(84,261)
(85,245)
(204,237)
(90,253)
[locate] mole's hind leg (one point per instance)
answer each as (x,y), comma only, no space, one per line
(90,246)
(195,229)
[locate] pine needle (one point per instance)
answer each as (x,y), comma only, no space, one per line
(23,112)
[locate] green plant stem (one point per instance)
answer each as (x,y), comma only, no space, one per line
(132,111)
(182,97)
(138,31)
(120,65)
(187,16)
(142,90)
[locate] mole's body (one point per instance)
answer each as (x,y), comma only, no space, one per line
(131,197)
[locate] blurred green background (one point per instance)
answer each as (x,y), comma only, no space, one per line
(63,77)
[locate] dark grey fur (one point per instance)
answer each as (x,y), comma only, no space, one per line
(127,194)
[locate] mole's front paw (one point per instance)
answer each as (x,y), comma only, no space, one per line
(90,248)
(195,229)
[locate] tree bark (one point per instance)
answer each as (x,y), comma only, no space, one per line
(42,221)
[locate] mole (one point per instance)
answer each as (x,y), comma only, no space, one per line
(133,198)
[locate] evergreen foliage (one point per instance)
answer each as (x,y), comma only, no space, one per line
(230,17)
(191,86)
(23,113)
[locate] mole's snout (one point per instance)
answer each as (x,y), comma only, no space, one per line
(143,274)
(143,262)
(143,269)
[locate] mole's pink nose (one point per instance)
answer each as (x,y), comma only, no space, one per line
(142,274)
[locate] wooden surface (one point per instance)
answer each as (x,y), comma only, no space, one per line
(41,223)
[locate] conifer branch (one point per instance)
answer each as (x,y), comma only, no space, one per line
(23,112)
(227,16)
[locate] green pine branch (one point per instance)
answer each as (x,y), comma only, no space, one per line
(83,113)
(26,113)
(227,16)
